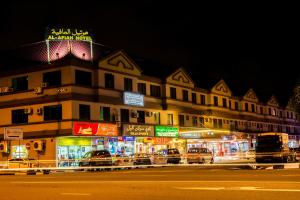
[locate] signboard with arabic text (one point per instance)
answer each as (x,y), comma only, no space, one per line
(68,34)
(138,130)
(166,131)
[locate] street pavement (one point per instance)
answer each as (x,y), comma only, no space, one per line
(156,183)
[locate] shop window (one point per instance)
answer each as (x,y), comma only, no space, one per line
(181,120)
(20,83)
(109,81)
(224,102)
(216,101)
(185,95)
(52,112)
(236,105)
(170,119)
(141,117)
(127,84)
(194,119)
(173,92)
(142,88)
(202,98)
(105,114)
(52,78)
(246,107)
(84,112)
(157,117)
(252,108)
(124,115)
(155,90)
(194,98)
(19,116)
(83,78)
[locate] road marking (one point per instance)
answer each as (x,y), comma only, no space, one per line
(137,181)
(239,188)
(76,194)
(153,175)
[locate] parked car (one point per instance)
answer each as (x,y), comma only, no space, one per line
(120,160)
(250,154)
(298,154)
(96,158)
(164,156)
(199,155)
(292,157)
(159,157)
(22,163)
(141,159)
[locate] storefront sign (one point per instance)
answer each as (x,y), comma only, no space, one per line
(94,129)
(166,131)
(138,130)
(190,135)
(13,134)
(68,34)
(133,99)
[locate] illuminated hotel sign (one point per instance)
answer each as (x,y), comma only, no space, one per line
(68,34)
(138,130)
(133,99)
(94,129)
(166,131)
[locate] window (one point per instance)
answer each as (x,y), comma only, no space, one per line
(83,78)
(246,107)
(252,108)
(261,110)
(105,114)
(270,112)
(170,119)
(194,119)
(292,116)
(173,92)
(280,113)
(194,98)
(229,104)
(52,78)
(185,95)
(157,117)
(220,123)
(224,102)
(141,117)
(181,120)
(273,112)
(216,101)
(202,99)
(215,123)
(124,115)
(127,84)
(52,112)
(109,81)
(142,88)
(155,90)
(20,83)
(19,116)
(84,112)
(236,105)
(201,120)
(287,114)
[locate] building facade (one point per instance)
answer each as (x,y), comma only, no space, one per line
(71,106)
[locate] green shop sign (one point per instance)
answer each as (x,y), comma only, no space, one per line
(166,131)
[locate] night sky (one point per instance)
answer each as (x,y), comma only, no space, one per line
(247,45)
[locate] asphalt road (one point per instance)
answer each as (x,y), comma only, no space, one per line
(155,183)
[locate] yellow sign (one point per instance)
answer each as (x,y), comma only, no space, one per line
(68,34)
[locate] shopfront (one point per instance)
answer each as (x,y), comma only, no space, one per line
(86,137)
(220,142)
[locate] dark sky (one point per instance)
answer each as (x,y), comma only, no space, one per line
(246,44)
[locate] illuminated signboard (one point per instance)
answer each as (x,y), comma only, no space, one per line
(133,99)
(138,130)
(94,129)
(190,135)
(166,131)
(68,34)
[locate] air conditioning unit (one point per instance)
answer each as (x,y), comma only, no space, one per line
(28,111)
(44,85)
(39,111)
(38,90)
(7,89)
(3,147)
(149,114)
(38,145)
